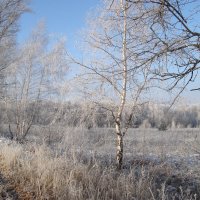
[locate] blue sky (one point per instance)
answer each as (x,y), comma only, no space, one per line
(62,17)
(66,18)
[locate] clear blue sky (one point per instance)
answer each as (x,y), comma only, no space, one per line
(62,17)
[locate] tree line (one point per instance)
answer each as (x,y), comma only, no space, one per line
(88,116)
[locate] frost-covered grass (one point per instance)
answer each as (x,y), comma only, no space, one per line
(180,144)
(81,165)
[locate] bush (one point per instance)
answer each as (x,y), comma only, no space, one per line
(162,126)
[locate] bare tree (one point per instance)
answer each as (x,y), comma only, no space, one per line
(110,74)
(36,75)
(10,11)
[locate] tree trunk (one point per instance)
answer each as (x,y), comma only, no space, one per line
(124,90)
(119,147)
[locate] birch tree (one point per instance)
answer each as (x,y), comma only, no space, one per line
(109,75)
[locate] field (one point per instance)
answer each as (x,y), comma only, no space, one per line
(76,163)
